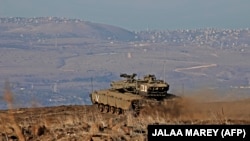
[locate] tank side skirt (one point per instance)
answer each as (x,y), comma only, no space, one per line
(111,99)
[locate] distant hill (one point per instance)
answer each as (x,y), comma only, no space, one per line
(24,30)
(62,27)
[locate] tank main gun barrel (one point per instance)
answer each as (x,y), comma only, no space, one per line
(128,77)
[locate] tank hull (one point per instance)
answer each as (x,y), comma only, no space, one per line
(131,94)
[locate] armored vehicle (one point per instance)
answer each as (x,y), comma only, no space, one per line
(130,94)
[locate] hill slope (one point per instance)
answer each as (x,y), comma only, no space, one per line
(61,27)
(87,123)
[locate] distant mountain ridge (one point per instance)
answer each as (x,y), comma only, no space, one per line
(20,29)
(63,27)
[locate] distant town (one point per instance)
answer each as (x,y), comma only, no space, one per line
(211,37)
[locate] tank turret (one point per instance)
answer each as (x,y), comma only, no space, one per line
(126,85)
(153,88)
(149,86)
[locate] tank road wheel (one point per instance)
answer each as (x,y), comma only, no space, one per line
(112,109)
(106,108)
(117,111)
(122,111)
(100,107)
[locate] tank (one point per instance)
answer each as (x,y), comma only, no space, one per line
(130,94)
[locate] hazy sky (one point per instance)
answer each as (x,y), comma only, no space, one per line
(138,14)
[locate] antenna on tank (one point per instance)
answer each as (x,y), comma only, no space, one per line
(164,71)
(164,65)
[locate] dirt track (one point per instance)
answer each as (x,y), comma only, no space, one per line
(78,122)
(196,67)
(185,70)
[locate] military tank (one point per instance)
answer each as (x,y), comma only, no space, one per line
(130,94)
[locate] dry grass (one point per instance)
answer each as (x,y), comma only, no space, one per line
(8,97)
(86,123)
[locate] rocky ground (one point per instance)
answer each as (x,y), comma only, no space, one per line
(85,122)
